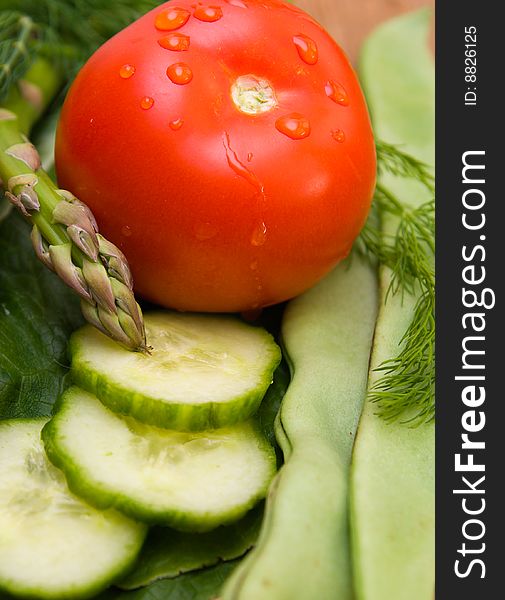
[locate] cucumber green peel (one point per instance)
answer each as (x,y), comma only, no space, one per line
(204,371)
(192,481)
(392,497)
(303,549)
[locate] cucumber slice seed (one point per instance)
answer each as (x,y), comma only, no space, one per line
(192,481)
(52,544)
(204,371)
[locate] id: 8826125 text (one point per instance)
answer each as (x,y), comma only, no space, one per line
(471,66)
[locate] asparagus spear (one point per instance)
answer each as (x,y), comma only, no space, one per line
(64,234)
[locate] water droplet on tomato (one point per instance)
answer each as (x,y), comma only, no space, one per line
(176,124)
(249,156)
(179,73)
(126,71)
(209,14)
(237,3)
(294,125)
(126,231)
(171,18)
(259,234)
(147,102)
(205,231)
(338,135)
(238,166)
(307,48)
(336,92)
(175,41)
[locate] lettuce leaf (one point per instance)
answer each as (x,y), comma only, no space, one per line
(37,314)
(168,553)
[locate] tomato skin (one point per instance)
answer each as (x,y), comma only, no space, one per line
(216,209)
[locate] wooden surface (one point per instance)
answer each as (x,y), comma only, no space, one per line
(350,21)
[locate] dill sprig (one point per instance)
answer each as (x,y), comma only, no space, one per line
(406,388)
(391,159)
(65,31)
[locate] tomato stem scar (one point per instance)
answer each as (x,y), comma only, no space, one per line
(253,95)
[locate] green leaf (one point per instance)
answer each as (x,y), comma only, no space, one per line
(168,553)
(37,314)
(271,403)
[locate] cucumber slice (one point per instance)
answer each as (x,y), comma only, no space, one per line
(192,481)
(52,544)
(203,372)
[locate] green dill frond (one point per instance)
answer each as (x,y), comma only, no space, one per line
(66,32)
(391,159)
(406,388)
(409,252)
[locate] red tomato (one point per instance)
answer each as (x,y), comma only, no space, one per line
(225,147)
